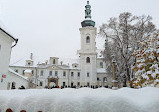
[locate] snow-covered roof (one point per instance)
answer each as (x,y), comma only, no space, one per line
(12,71)
(4,31)
(41,62)
(28,71)
(101,70)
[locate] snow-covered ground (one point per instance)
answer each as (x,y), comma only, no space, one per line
(81,100)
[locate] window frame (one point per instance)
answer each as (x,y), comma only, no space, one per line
(42,73)
(88,39)
(72,74)
(64,73)
(50,73)
(101,64)
(88,60)
(88,74)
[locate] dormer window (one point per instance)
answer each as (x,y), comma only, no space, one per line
(29,63)
(54,61)
(87,60)
(87,39)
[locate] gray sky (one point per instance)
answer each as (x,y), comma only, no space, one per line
(51,27)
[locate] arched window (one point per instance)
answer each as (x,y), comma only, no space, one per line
(87,39)
(101,64)
(87,60)
(13,85)
(104,79)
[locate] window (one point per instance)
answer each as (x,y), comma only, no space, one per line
(64,84)
(71,84)
(87,83)
(78,83)
(97,78)
(23,72)
(13,85)
(87,39)
(101,64)
(78,74)
(87,60)
(41,83)
(50,73)
(16,70)
(56,73)
(41,73)
(64,73)
(32,72)
(29,63)
(72,74)
(54,61)
(87,74)
(104,79)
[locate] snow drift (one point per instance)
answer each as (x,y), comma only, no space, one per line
(81,100)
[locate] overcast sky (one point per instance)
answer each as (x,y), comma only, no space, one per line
(51,27)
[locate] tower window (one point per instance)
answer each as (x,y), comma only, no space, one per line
(87,60)
(101,64)
(87,74)
(87,39)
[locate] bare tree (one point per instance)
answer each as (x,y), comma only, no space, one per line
(122,35)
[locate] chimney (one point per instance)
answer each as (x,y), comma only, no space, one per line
(61,63)
(31,56)
(46,62)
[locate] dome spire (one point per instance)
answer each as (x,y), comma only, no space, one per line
(88,11)
(88,21)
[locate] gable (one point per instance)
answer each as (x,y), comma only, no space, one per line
(54,67)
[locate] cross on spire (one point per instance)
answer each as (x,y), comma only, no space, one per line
(88,2)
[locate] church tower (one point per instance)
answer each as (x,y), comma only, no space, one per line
(88,54)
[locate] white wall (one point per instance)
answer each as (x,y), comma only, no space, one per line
(88,50)
(19,81)
(5,52)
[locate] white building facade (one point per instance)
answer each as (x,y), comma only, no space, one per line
(9,78)
(88,70)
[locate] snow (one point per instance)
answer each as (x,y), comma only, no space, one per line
(101,70)
(28,71)
(81,100)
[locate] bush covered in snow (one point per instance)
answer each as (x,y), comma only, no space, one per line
(147,62)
